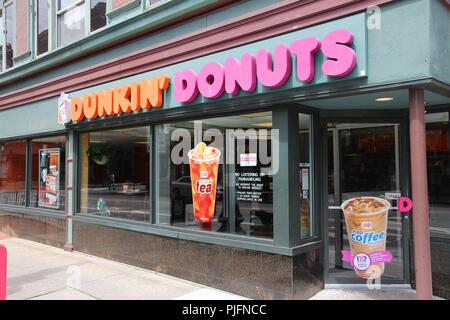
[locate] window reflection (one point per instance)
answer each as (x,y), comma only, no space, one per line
(12,172)
(305,175)
(438,162)
(10,35)
(42,26)
(98,14)
(115,173)
(71,25)
(243,203)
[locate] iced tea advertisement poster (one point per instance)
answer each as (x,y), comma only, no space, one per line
(49,170)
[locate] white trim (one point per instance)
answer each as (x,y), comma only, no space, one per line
(71,6)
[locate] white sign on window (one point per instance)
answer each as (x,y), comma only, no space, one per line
(248,160)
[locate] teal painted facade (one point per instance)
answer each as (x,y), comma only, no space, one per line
(33,119)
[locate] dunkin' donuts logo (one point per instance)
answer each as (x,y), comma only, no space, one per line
(366,225)
(204,186)
(367,237)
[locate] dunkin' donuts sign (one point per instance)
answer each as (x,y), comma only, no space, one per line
(317,55)
(272,71)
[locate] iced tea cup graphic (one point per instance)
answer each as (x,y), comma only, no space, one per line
(366,219)
(204,167)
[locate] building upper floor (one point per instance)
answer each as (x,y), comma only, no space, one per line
(46,42)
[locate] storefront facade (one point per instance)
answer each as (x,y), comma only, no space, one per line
(307,102)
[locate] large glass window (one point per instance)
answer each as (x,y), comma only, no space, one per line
(305,176)
(42,26)
(114,173)
(438,162)
(12,172)
(48,173)
(226,186)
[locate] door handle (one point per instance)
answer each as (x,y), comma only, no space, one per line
(334,207)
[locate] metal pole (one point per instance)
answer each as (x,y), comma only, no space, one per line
(422,256)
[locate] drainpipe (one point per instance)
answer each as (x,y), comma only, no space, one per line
(421,221)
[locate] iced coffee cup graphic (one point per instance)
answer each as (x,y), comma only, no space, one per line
(204,168)
(366,220)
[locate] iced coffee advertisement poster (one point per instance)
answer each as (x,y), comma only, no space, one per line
(49,170)
(366,219)
(204,168)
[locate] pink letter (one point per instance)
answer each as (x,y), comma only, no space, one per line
(240,74)
(305,50)
(405,204)
(342,58)
(211,80)
(276,75)
(186,86)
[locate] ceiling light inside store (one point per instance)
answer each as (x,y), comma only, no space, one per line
(263,124)
(384,99)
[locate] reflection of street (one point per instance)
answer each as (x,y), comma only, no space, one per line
(124,205)
(440,223)
(251,219)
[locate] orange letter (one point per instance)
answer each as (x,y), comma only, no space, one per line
(105,103)
(152,91)
(145,92)
(77,109)
(120,101)
(90,106)
(134,97)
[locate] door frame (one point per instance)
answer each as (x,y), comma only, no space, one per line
(366,116)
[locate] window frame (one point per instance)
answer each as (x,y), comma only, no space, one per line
(150,6)
(56,13)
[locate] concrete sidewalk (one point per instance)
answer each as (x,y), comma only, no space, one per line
(41,272)
(37,271)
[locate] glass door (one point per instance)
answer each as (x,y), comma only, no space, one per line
(363,159)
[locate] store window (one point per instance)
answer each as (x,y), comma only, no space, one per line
(114,173)
(42,26)
(438,163)
(305,176)
(217,174)
(12,172)
(48,173)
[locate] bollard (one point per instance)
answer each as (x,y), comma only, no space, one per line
(2,272)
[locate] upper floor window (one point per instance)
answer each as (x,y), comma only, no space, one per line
(42,26)
(77,18)
(7,40)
